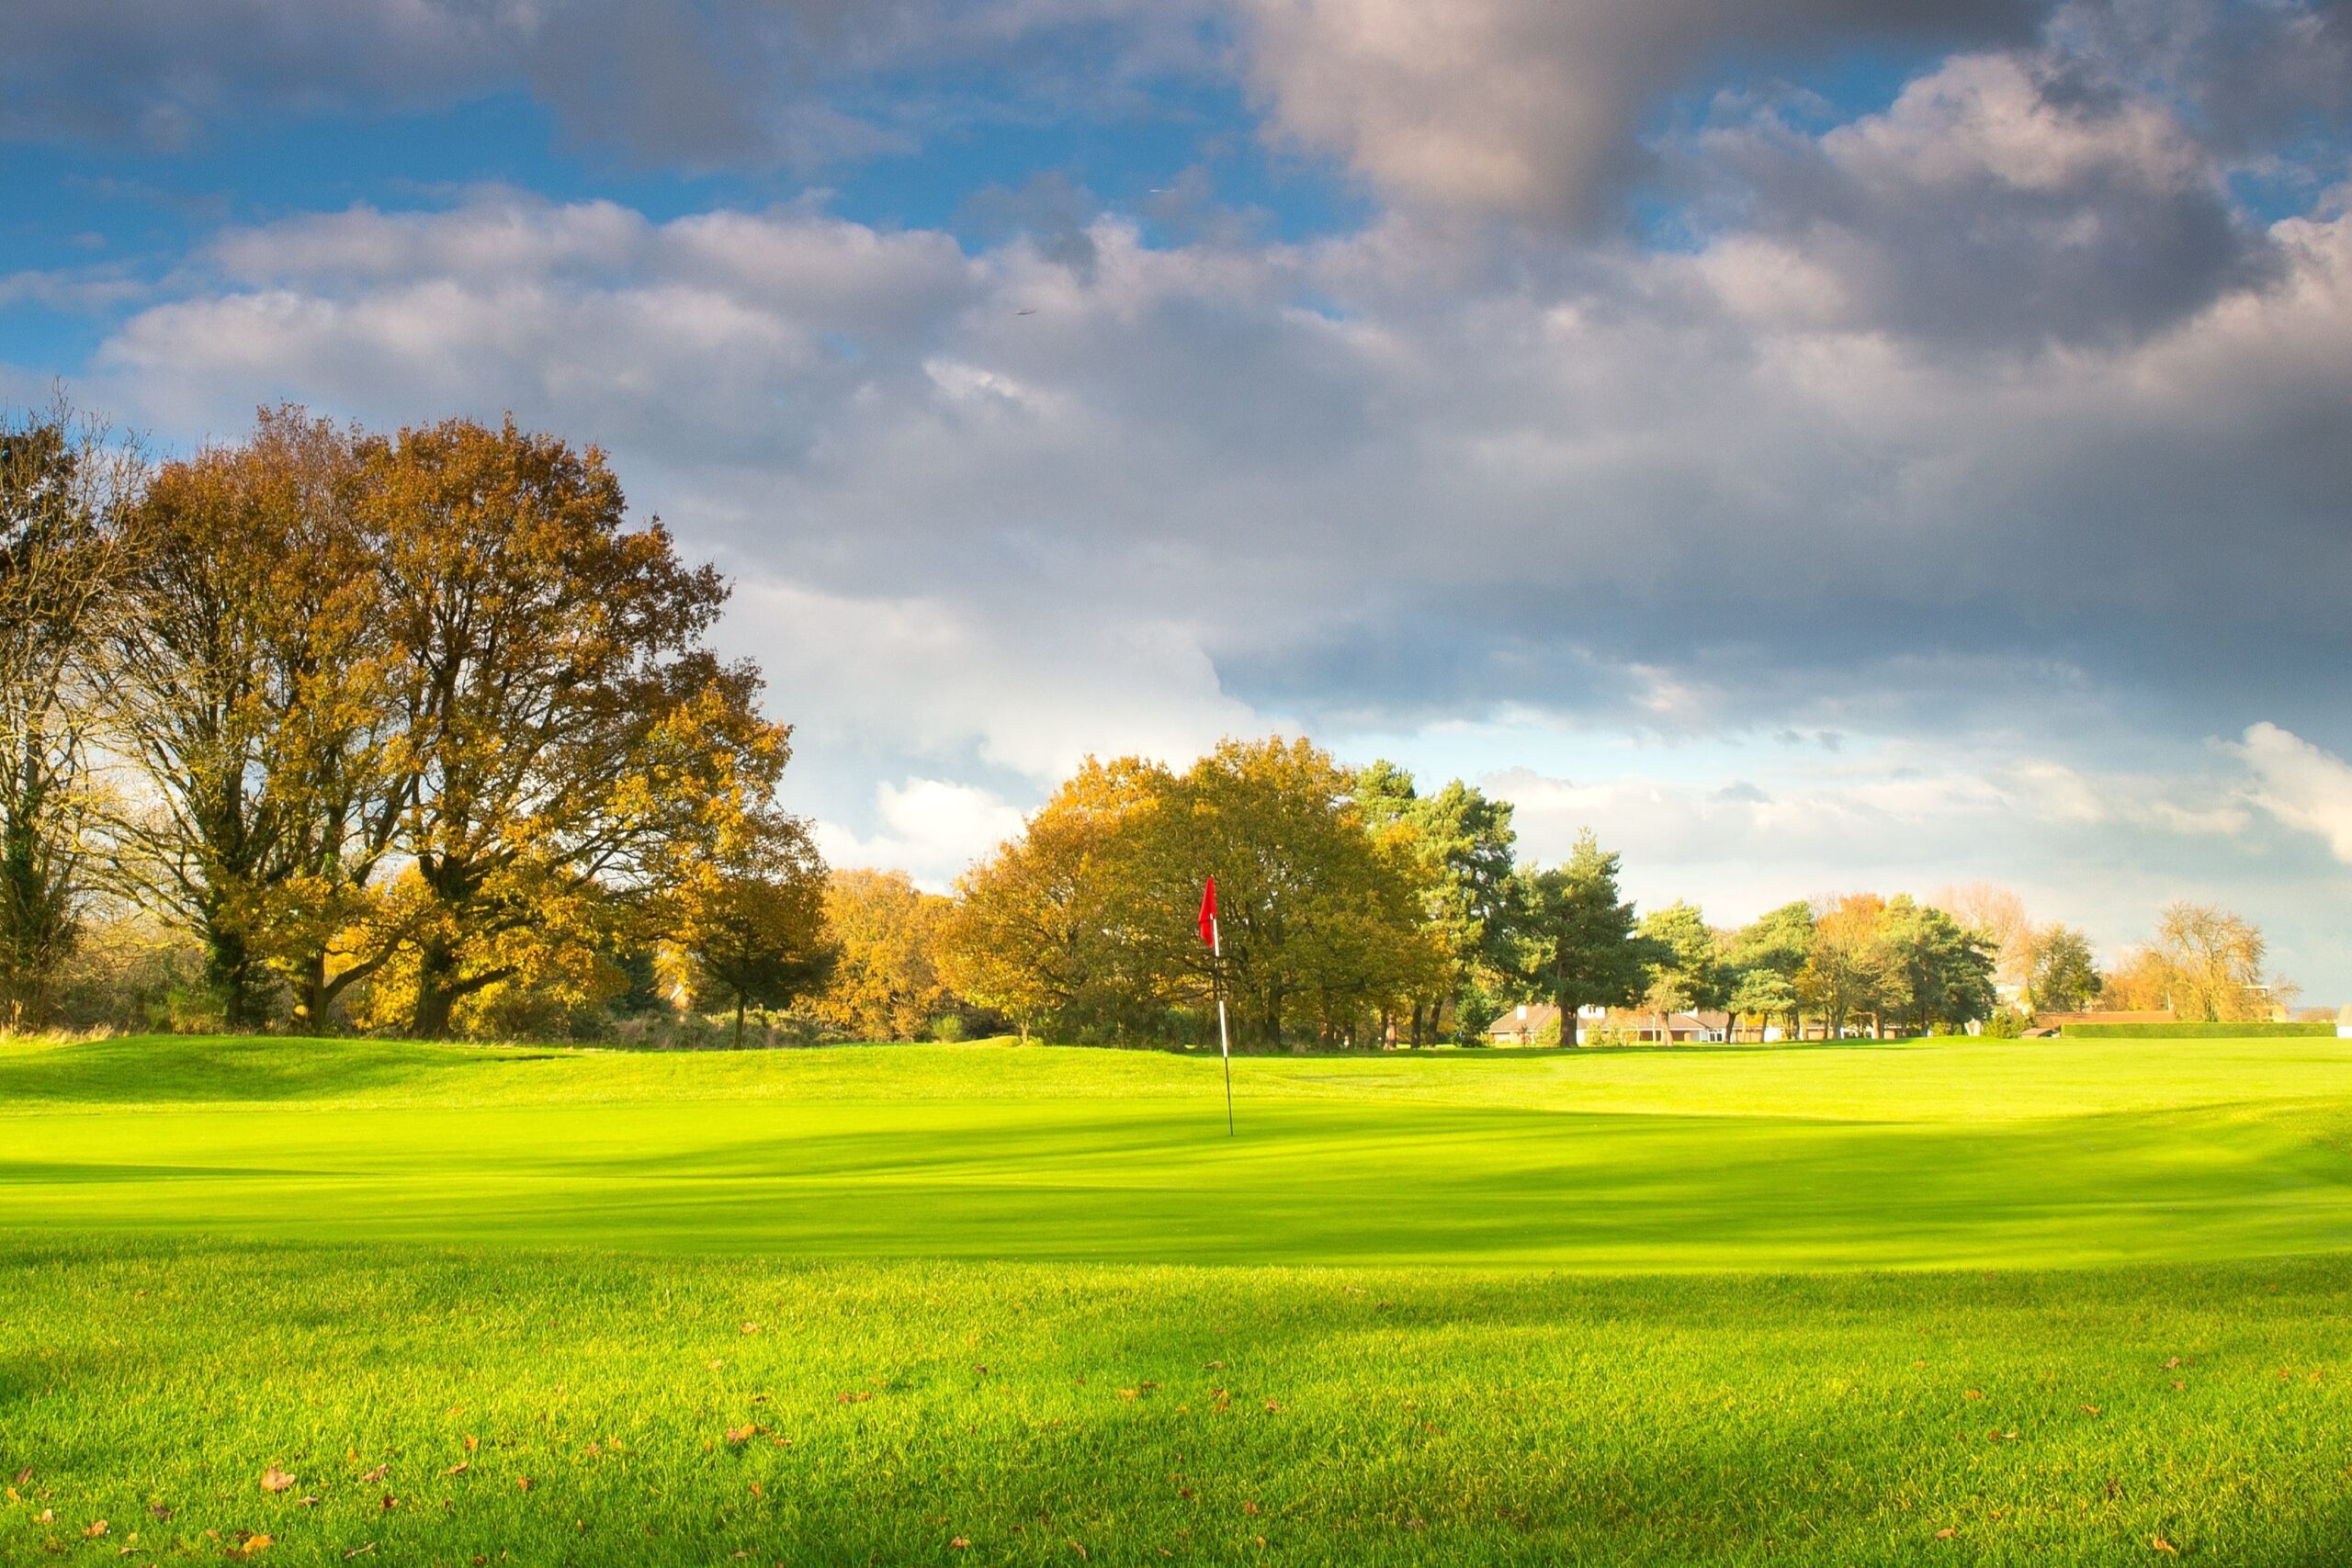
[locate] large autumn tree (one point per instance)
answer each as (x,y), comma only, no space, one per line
(247,682)
(566,736)
(1849,970)
(1322,918)
(2208,966)
(1034,933)
(64,489)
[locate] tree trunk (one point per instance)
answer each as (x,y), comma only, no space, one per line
(738,1021)
(311,995)
(229,975)
(1568,1036)
(435,966)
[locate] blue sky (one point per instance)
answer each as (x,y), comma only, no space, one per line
(1821,444)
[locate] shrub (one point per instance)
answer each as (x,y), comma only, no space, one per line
(2263,1030)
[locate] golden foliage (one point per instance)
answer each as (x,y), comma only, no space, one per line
(886,984)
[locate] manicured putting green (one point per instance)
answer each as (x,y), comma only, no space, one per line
(1944,1152)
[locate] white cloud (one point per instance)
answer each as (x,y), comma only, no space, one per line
(2303,785)
(928,677)
(929,829)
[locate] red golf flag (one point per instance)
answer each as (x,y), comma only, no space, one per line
(1208,912)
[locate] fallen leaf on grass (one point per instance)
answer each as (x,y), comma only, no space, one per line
(1080,1550)
(2161,1544)
(1273,1405)
(2000,1436)
(250,1545)
(959,1543)
(459,1468)
(388,1504)
(525,1483)
(857,1398)
(1973,1393)
(375,1475)
(359,1551)
(751,1328)
(1130,1393)
(2090,1409)
(2177,1385)
(2171,1362)
(23,1475)
(1947,1533)
(755,1490)
(159,1511)
(95,1528)
(310,1502)
(275,1480)
(744,1433)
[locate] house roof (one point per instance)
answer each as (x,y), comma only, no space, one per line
(1537,1016)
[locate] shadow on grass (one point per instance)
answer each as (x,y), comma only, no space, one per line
(174,1069)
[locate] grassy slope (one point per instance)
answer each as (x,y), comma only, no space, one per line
(392,1297)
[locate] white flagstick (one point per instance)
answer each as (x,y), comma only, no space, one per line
(1224,1045)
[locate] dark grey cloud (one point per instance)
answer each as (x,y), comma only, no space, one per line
(2005,199)
(2254,74)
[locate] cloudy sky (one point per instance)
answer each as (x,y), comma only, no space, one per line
(1820,444)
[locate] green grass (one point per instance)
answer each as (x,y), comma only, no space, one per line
(1745,1305)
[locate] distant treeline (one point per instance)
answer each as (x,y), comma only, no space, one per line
(1359,910)
(418,734)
